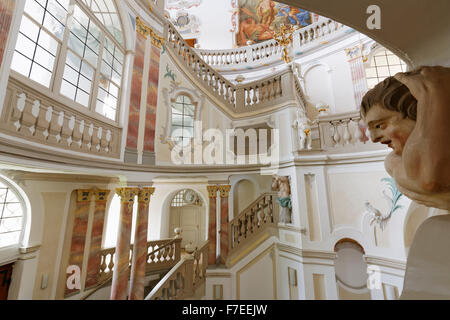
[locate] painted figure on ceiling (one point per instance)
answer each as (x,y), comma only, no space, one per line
(411,114)
(266,12)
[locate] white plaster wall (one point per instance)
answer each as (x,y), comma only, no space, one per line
(215,23)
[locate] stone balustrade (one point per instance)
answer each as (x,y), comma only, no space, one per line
(162,255)
(32,115)
(259,215)
(341,130)
(184,278)
(269,92)
(270,51)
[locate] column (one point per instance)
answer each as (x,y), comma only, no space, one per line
(212,226)
(93,267)
(122,255)
(224,234)
(80,224)
(139,260)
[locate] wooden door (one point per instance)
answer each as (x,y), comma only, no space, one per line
(5,280)
(191,220)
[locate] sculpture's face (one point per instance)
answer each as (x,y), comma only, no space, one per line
(389,127)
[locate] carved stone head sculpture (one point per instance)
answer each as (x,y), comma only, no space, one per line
(411,114)
(390,112)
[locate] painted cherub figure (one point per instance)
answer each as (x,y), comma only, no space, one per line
(282,185)
(411,114)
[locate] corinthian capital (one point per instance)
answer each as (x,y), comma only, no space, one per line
(145,194)
(224,191)
(127,194)
(212,191)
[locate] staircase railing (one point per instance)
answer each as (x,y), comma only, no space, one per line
(162,254)
(268,93)
(185,277)
(169,252)
(268,51)
(259,215)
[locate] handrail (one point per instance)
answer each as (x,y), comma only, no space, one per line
(260,214)
(184,278)
(268,93)
(268,49)
(109,277)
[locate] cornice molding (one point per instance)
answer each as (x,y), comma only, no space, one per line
(385,262)
(314,254)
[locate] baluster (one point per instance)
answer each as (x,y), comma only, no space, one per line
(275,88)
(358,133)
(247,94)
(255,95)
(336,136)
(347,137)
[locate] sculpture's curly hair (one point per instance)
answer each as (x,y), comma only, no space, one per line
(393,95)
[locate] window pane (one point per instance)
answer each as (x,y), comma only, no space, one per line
(87,71)
(70,75)
(188,121)
(85,84)
(76,44)
(189,110)
(34,10)
(381,61)
(29,28)
(54,26)
(44,58)
(48,43)
(40,75)
(177,108)
(78,30)
(68,90)
(25,46)
(73,61)
(12,210)
(177,120)
(11,216)
(21,64)
(82,98)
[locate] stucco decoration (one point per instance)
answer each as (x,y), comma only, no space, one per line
(304,129)
(282,185)
(376,215)
(186,23)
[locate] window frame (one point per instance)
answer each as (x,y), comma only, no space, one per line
(23,205)
(197,100)
(368,64)
(53,91)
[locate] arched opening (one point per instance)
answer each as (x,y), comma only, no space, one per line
(243,195)
(351,270)
(188,212)
(14,220)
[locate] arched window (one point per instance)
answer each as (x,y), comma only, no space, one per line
(183,115)
(186,197)
(89,52)
(12,215)
(383,64)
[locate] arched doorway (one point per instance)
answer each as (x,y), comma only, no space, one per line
(187,211)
